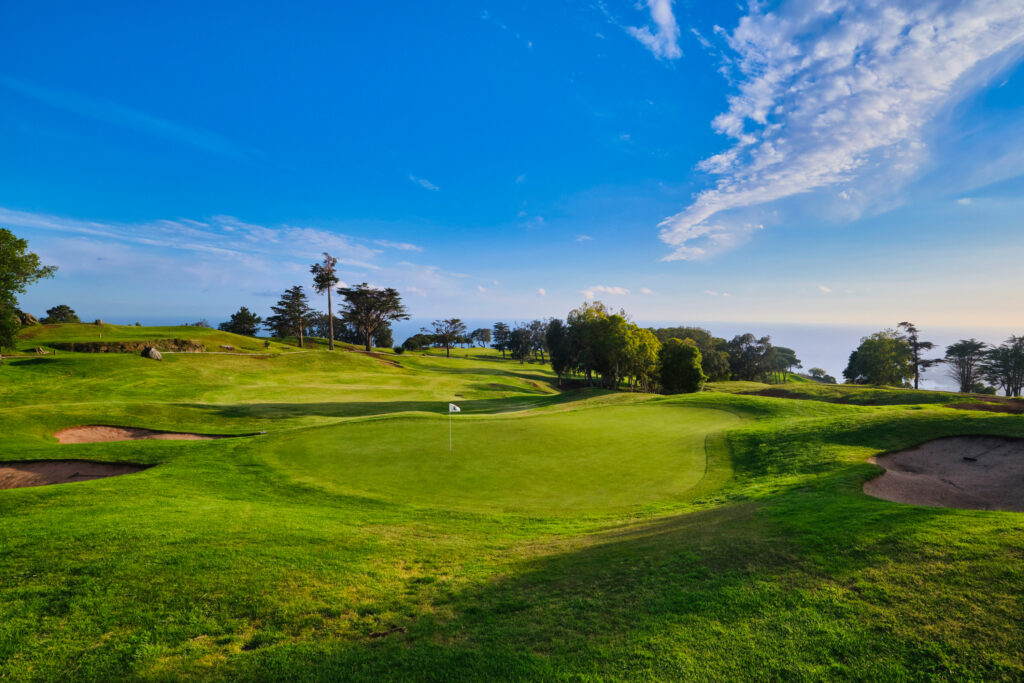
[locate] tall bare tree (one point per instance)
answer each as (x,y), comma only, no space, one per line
(325,280)
(910,333)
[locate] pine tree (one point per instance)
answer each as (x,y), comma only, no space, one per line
(290,314)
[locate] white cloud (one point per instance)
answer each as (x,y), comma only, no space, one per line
(481,288)
(663,42)
(824,290)
(520,179)
(590,292)
(583,238)
(822,101)
(402,246)
(424,183)
(542,291)
(965,201)
(710,292)
(646,290)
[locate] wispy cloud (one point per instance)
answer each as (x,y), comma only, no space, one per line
(663,41)
(824,290)
(591,292)
(120,115)
(583,238)
(965,201)
(424,183)
(401,246)
(823,102)
(541,291)
(646,290)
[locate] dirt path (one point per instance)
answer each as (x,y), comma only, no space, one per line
(104,433)
(15,475)
(974,473)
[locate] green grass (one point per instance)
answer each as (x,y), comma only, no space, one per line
(582,535)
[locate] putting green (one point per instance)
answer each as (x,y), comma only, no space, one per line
(591,460)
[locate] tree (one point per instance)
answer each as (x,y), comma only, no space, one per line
(366,308)
(559,347)
(481,336)
(382,337)
(964,361)
(882,358)
(447,333)
(418,342)
(19,268)
(243,322)
(324,280)
(714,352)
(817,373)
(785,360)
(750,358)
(1004,366)
(679,367)
(538,330)
(910,334)
(60,314)
(502,338)
(643,367)
(290,314)
(521,343)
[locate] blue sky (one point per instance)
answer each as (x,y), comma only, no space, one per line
(805,161)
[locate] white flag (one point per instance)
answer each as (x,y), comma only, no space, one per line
(452,408)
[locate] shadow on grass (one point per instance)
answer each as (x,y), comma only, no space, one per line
(728,593)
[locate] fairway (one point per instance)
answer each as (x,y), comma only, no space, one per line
(595,460)
(581,534)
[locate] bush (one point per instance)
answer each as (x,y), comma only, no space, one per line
(679,367)
(399,350)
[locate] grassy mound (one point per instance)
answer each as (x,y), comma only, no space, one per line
(572,535)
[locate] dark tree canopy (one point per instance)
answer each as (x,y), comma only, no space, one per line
(714,352)
(19,268)
(882,358)
(366,308)
(750,358)
(502,338)
(60,314)
(243,322)
(382,337)
(1004,366)
(679,367)
(481,336)
(964,361)
(290,315)
(521,343)
(447,333)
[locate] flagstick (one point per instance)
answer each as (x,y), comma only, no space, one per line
(449,430)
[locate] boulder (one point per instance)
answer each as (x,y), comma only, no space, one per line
(152,353)
(227,347)
(27,319)
(39,351)
(98,322)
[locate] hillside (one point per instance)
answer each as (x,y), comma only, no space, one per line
(566,535)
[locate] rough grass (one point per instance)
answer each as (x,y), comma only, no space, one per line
(259,558)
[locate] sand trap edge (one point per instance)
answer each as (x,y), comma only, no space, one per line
(112,433)
(18,474)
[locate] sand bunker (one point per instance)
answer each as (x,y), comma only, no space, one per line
(15,475)
(974,472)
(103,433)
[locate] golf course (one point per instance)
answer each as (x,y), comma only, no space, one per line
(344,525)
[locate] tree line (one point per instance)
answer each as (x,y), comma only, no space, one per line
(896,357)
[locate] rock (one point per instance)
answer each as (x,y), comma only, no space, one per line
(39,351)
(227,347)
(98,322)
(151,353)
(27,319)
